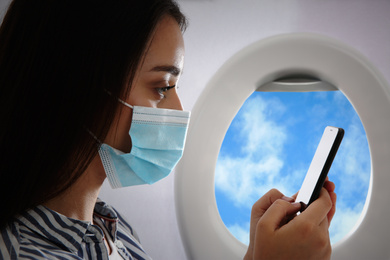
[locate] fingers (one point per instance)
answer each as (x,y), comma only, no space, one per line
(295,196)
(279,213)
(258,210)
(329,186)
(332,211)
(277,233)
(266,201)
(319,209)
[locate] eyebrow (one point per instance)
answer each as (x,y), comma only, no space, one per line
(175,71)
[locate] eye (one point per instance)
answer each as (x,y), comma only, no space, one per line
(164,90)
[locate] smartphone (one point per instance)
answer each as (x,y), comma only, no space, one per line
(320,165)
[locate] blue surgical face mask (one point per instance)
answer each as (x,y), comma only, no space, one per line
(158,137)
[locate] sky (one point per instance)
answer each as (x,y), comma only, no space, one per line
(270,144)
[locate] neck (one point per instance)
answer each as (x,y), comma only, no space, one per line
(78,201)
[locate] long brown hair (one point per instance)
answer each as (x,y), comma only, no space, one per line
(57,58)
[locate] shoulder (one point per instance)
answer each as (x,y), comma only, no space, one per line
(18,242)
(10,241)
(21,241)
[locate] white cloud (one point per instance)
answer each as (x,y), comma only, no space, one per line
(342,224)
(351,171)
(244,179)
(241,232)
(344,221)
(256,127)
(258,162)
(353,165)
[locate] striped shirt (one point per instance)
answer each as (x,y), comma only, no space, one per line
(42,233)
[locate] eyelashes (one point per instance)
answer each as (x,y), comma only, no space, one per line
(164,90)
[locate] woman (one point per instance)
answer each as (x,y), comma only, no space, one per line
(78,79)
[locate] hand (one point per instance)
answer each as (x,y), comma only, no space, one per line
(277,233)
(330,187)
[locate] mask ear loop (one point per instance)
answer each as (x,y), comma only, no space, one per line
(94,137)
(120,100)
(126,104)
(90,132)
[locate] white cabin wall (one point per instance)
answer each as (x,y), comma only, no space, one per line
(217,30)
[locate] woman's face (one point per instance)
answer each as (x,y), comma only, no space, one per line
(155,83)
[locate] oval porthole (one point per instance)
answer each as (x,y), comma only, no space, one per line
(280,60)
(270,144)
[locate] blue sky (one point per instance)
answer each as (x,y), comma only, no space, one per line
(270,144)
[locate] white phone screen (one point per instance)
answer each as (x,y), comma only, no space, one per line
(320,165)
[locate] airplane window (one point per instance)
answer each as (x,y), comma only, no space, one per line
(270,144)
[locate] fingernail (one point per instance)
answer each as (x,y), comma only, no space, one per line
(298,206)
(289,199)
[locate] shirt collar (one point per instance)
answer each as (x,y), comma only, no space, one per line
(107,216)
(66,232)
